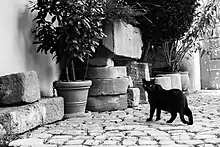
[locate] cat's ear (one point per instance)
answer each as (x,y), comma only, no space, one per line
(143,80)
(153,80)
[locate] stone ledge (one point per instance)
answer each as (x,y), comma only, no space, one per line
(133,97)
(19,88)
(143,93)
(107,72)
(113,86)
(16,120)
(101,62)
(107,103)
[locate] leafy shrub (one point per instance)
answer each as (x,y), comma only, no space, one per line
(68,29)
(167,19)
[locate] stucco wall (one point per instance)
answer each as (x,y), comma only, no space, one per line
(17,54)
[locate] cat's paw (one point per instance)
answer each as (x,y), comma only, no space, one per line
(157,119)
(169,121)
(149,119)
(188,123)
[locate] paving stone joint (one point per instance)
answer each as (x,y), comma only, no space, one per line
(128,128)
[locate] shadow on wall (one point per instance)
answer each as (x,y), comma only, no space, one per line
(46,69)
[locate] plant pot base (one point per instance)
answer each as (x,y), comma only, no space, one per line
(77,114)
(75,96)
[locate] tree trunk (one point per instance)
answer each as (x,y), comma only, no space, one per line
(67,73)
(72,71)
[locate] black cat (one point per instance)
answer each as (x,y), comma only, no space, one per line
(172,100)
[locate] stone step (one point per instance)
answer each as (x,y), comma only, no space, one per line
(112,86)
(101,62)
(106,72)
(133,97)
(19,88)
(143,93)
(107,103)
(137,71)
(16,120)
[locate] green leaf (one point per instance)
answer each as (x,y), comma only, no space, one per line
(86,23)
(92,48)
(39,48)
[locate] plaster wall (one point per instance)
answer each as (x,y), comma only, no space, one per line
(196,68)
(17,54)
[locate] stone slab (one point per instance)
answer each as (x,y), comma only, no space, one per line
(123,40)
(19,88)
(137,71)
(143,93)
(106,72)
(107,103)
(112,86)
(133,97)
(30,142)
(101,62)
(15,120)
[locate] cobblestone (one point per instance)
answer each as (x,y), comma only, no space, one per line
(129,128)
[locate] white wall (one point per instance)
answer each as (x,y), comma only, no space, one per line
(196,68)
(17,54)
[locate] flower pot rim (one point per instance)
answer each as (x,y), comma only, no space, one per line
(174,73)
(73,83)
(182,72)
(166,72)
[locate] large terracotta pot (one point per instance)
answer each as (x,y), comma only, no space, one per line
(75,96)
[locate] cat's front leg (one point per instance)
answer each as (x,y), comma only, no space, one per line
(173,117)
(152,110)
(158,114)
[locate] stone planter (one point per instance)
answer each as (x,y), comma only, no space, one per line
(175,79)
(165,82)
(185,81)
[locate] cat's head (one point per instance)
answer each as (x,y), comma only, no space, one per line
(149,86)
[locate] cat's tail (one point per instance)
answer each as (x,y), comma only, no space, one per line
(188,113)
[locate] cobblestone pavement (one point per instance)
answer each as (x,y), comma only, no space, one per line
(129,128)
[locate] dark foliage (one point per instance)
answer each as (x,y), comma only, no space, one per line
(71,30)
(68,29)
(116,10)
(167,19)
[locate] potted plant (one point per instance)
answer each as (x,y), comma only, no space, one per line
(69,30)
(169,20)
(177,27)
(202,26)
